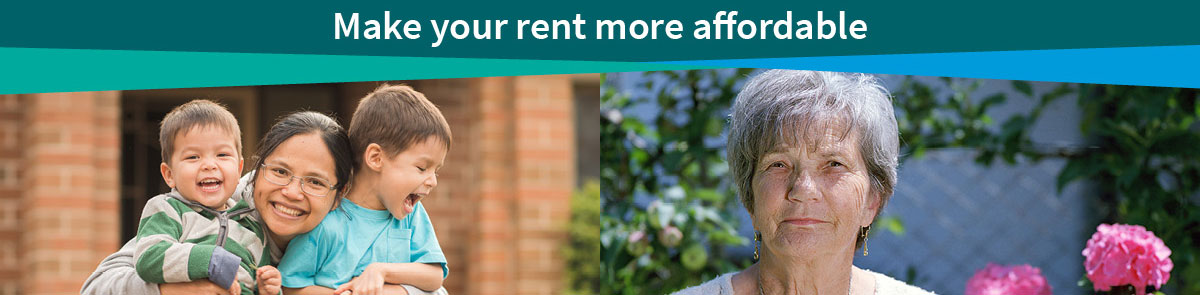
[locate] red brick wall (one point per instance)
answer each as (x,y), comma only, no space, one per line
(65,148)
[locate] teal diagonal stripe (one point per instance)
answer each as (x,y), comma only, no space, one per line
(33,70)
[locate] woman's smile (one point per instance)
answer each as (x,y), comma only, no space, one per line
(287,211)
(804,221)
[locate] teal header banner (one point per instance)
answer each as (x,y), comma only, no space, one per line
(588,31)
(63,46)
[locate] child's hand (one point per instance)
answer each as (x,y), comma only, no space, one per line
(370,282)
(270,282)
(235,289)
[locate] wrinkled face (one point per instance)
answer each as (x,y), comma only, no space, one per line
(811,198)
(204,166)
(286,209)
(409,176)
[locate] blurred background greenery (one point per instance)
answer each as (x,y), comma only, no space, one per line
(667,207)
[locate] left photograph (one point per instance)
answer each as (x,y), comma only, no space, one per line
(451,186)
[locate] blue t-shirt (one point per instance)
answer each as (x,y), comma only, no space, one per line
(352,237)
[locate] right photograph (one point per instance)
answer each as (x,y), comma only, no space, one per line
(757,181)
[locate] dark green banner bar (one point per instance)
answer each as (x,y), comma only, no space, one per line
(310,28)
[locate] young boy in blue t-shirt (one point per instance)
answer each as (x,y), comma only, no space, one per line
(380,234)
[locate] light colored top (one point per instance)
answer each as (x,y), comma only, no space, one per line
(352,237)
(884,285)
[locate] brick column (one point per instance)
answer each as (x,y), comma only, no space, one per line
(10,194)
(492,253)
(69,181)
(544,146)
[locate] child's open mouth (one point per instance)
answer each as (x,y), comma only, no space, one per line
(412,199)
(210,185)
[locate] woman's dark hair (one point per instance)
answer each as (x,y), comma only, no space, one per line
(306,122)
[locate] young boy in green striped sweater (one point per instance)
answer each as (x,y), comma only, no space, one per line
(197,231)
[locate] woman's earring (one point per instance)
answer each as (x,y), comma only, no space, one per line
(864,237)
(757,236)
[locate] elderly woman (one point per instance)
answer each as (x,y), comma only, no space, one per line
(814,157)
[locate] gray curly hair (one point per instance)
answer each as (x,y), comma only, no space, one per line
(781,105)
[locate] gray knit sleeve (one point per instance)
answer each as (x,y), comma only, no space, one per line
(116,275)
(223,267)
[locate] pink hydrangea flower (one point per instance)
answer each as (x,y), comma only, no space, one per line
(1120,254)
(1002,280)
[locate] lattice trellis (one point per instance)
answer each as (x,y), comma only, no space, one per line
(960,215)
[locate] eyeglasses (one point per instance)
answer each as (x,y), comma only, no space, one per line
(312,185)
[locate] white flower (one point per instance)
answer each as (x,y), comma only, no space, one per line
(614,115)
(674,193)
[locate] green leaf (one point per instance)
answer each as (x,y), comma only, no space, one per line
(720,237)
(892,224)
(639,155)
(671,161)
(919,152)
(910,275)
(633,125)
(1058,92)
(1075,169)
(694,257)
(1023,87)
(709,195)
(1197,103)
(715,127)
(1014,126)
(991,100)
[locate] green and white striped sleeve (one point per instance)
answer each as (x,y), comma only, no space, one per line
(163,258)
